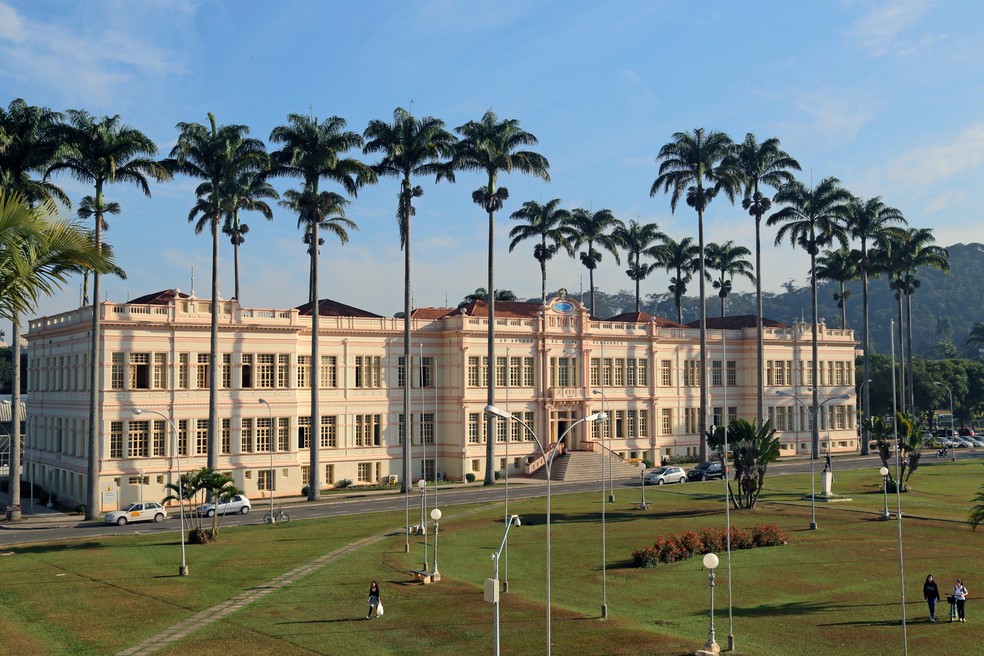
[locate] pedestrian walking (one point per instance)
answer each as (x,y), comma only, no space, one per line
(375,605)
(931,593)
(960,596)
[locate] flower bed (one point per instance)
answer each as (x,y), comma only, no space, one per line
(674,547)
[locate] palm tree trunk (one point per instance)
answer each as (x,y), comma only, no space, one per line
(866,437)
(815,428)
(490,379)
(843,304)
(314,478)
(901,343)
(235,262)
(85,288)
(405,485)
(702,420)
(15,420)
(908,356)
(759,333)
(637,288)
(213,355)
(543,279)
(92,505)
(591,283)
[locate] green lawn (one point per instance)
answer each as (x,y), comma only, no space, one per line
(831,591)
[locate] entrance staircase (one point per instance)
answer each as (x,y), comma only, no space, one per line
(577,466)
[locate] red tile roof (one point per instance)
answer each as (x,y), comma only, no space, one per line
(645,317)
(431,313)
(159,298)
(503,309)
(736,322)
(330,308)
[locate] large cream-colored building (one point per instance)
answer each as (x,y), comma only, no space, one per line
(554,365)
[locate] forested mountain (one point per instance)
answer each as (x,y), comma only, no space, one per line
(944,307)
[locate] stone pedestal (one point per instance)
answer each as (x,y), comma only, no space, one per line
(827,485)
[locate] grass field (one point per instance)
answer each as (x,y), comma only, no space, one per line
(831,591)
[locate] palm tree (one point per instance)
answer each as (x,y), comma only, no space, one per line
(411,147)
(217,155)
(29,144)
(547,223)
(680,258)
(100,152)
(729,261)
(694,165)
(37,254)
(482,294)
(593,228)
(866,221)
(759,165)
(976,515)
(914,249)
(90,209)
(492,146)
(639,239)
(839,266)
(245,193)
(976,335)
(312,151)
(811,219)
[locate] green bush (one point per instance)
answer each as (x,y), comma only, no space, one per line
(672,548)
(470,477)
(304,491)
(344,483)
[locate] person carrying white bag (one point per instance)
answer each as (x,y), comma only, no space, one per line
(375,604)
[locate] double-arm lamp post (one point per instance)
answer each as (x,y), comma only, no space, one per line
(813,459)
(598,416)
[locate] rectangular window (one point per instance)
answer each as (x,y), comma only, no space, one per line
(426,372)
(733,413)
(501,430)
(160,438)
(716,416)
(594,373)
(619,423)
(247,370)
(304,371)
(225,437)
(283,434)
(473,379)
(368,371)
(303,432)
(116,375)
(160,371)
(619,377)
(732,373)
(246,444)
(666,421)
(329,474)
(201,437)
(665,373)
(606,372)
(716,377)
(226,381)
(691,423)
(329,432)
(631,371)
(691,373)
(184,371)
(138,439)
(401,372)
(265,366)
(263,435)
(116,439)
(563,372)
(329,372)
(201,371)
(365,472)
(367,430)
(643,423)
(475,427)
(140,371)
(183,437)
(500,372)
(263,480)
(515,372)
(283,370)
(476,465)
(305,474)
(528,376)
(427,427)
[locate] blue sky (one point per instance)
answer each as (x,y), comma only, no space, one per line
(886,96)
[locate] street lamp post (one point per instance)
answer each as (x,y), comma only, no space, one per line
(492,585)
(273,515)
(813,460)
(183,569)
(884,473)
(598,416)
(711,646)
(422,484)
(953,433)
(436,516)
(642,479)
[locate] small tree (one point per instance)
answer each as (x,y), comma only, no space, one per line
(197,487)
(881,430)
(752,450)
(977,511)
(911,442)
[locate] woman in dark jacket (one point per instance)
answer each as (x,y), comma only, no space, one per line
(931,594)
(373,599)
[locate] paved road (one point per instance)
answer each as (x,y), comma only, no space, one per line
(64,527)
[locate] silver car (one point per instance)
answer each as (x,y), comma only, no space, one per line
(663,475)
(237,504)
(137,512)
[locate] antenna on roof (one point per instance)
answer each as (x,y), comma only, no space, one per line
(192,279)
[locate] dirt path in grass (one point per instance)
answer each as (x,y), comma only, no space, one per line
(210,615)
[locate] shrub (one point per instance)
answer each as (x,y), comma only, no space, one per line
(714,539)
(80,509)
(342,484)
(202,536)
(646,557)
(304,491)
(740,539)
(470,477)
(692,544)
(768,535)
(497,474)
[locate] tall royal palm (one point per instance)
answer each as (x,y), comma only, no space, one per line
(913,251)
(410,147)
(37,254)
(550,225)
(639,240)
(694,167)
(812,219)
(312,151)
(839,266)
(728,260)
(100,152)
(594,229)
(217,155)
(492,146)
(758,165)
(681,259)
(247,192)
(90,209)
(866,221)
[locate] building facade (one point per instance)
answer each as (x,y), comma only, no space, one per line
(554,364)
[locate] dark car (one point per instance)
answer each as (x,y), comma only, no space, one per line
(966,432)
(705,471)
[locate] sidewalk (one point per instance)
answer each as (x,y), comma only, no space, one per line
(36,516)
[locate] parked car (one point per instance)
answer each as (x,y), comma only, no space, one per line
(966,432)
(137,512)
(237,504)
(663,475)
(705,471)
(975,440)
(962,442)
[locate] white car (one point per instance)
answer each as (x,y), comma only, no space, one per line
(663,475)
(237,504)
(137,512)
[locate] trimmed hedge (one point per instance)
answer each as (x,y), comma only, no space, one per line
(674,547)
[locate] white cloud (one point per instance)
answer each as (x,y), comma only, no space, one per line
(880,29)
(927,166)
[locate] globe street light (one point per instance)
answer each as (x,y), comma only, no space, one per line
(884,472)
(492,585)
(813,424)
(183,569)
(273,515)
(436,516)
(598,416)
(711,646)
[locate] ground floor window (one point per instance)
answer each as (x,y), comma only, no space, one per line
(476,465)
(365,472)
(264,480)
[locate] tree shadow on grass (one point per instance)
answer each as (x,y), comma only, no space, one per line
(540,519)
(54,547)
(809,608)
(335,621)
